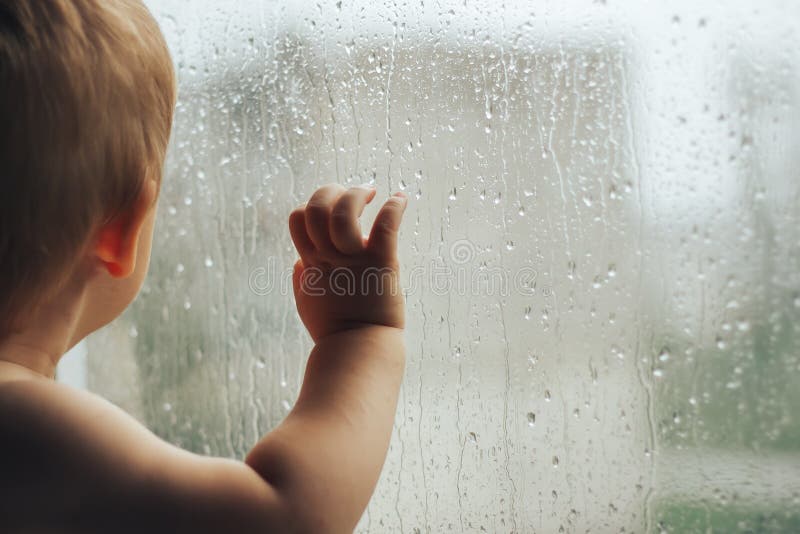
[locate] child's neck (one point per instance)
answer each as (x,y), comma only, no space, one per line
(39,345)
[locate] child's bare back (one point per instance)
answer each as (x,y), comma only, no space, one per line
(81,162)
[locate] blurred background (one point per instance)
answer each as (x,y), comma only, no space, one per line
(601,251)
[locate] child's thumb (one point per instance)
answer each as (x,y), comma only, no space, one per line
(383,237)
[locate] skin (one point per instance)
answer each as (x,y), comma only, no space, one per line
(72,462)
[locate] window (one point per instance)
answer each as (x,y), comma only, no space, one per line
(601,253)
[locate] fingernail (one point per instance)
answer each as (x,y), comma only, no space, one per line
(368,186)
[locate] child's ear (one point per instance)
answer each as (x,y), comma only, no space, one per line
(118,240)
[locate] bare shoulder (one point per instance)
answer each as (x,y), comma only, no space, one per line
(34,411)
(37,409)
(75,462)
(41,405)
(57,445)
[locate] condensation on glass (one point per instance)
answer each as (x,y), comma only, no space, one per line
(601,251)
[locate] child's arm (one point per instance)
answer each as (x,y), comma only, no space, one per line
(72,462)
(329,451)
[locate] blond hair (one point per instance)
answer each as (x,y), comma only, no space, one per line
(87,91)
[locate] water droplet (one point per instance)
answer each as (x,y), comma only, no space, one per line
(179,268)
(658,373)
(473,437)
(209,262)
(133,332)
(167,407)
(547,395)
(663,355)
(531,419)
(187,201)
(555,461)
(571,266)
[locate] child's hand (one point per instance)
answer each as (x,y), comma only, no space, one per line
(342,280)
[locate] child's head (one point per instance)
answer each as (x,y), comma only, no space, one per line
(87,92)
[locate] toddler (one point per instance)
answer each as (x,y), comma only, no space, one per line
(87,91)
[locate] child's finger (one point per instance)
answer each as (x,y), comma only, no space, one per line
(345,229)
(383,237)
(297,229)
(318,216)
